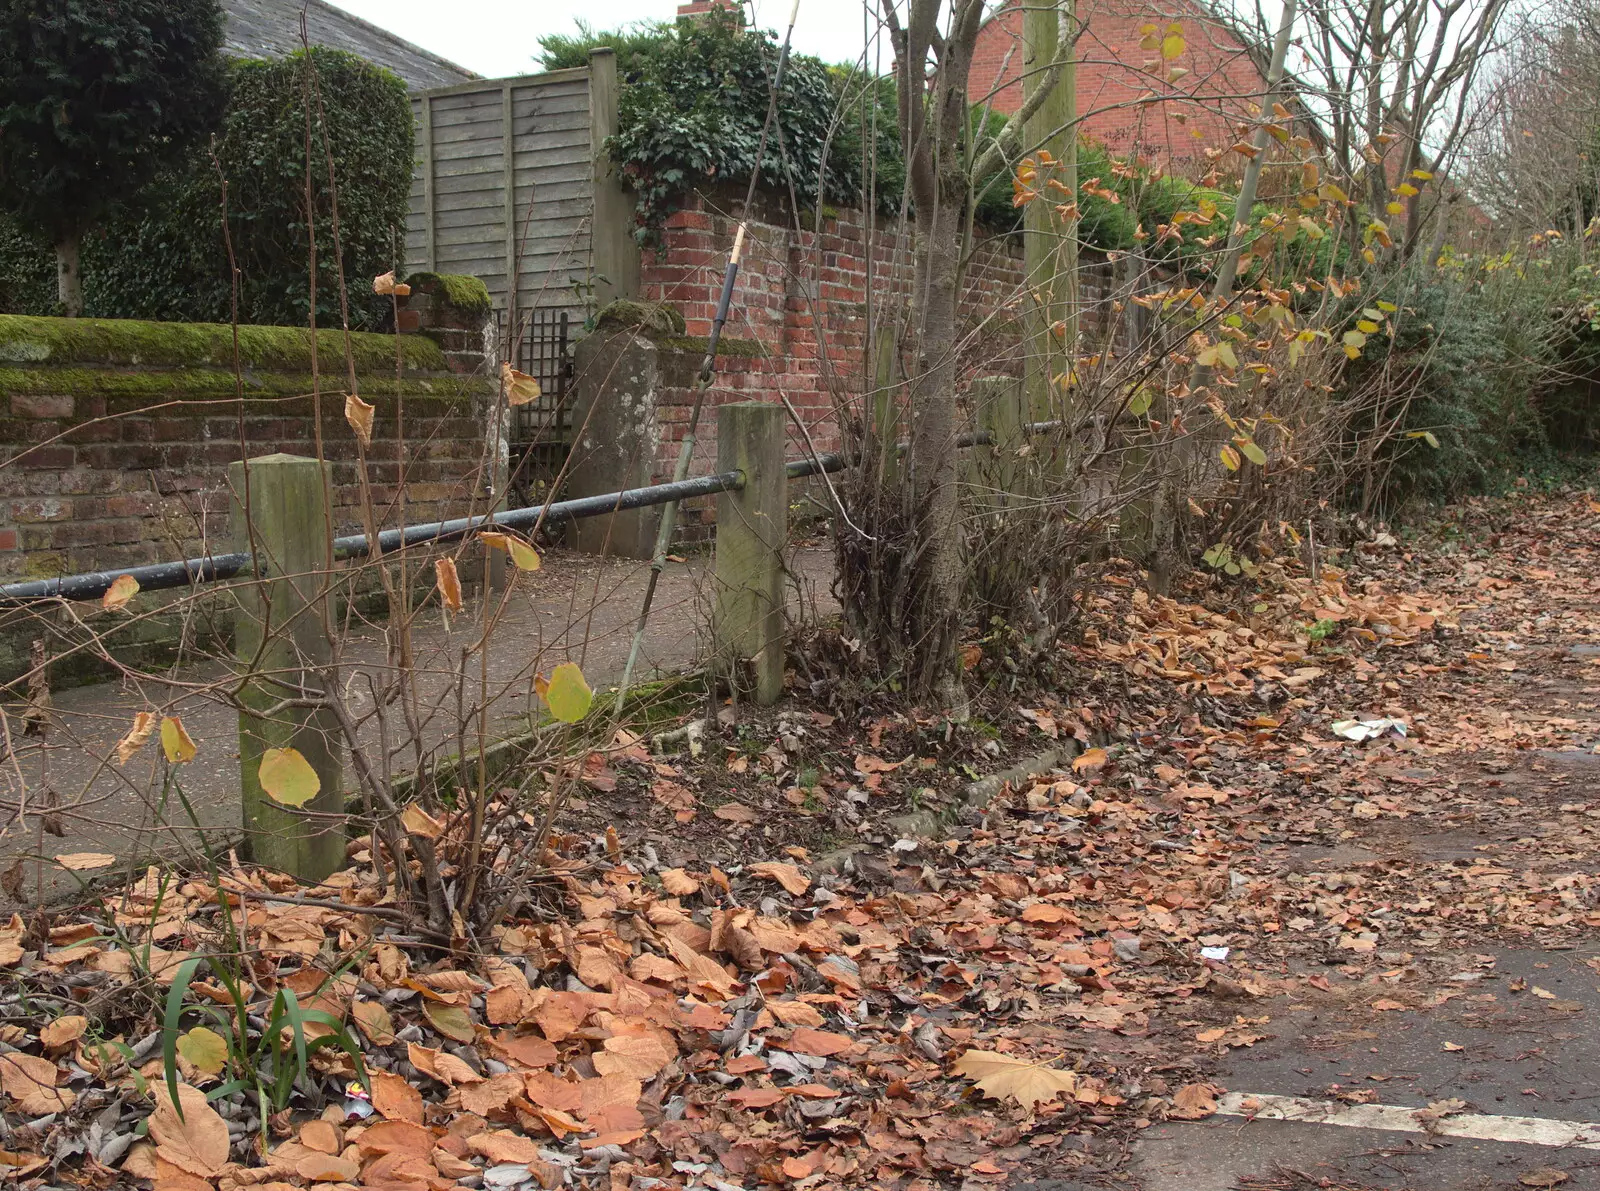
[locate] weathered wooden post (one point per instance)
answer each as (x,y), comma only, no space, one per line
(752,528)
(281,642)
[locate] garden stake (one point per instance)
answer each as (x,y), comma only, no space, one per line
(669,512)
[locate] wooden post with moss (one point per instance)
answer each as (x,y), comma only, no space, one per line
(752,528)
(281,641)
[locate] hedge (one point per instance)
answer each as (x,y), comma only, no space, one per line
(164,256)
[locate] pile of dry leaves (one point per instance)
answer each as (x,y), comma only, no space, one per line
(1052,975)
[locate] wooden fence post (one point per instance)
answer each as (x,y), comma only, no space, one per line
(752,528)
(281,642)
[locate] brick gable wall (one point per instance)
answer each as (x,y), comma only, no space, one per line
(1223,79)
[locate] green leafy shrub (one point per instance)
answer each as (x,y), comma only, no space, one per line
(96,100)
(692,113)
(631,43)
(164,255)
(1462,366)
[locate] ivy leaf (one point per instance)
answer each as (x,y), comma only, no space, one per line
(287,777)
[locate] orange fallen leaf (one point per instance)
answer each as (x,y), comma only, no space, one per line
(1090,761)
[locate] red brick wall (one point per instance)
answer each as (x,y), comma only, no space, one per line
(798,321)
(797,326)
(1222,82)
(121,478)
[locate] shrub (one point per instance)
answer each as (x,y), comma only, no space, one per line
(164,256)
(1462,366)
(95,100)
(632,44)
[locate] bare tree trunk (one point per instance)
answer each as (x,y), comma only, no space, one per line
(69,278)
(933,445)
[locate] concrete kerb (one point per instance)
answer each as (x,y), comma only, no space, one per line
(975,796)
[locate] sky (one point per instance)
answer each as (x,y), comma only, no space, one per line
(497,38)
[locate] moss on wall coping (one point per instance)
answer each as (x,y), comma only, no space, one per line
(697,344)
(649,318)
(26,339)
(200,383)
(462,291)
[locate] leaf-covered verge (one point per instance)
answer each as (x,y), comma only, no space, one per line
(162,254)
(680,1006)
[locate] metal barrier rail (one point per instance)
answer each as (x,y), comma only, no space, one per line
(212,568)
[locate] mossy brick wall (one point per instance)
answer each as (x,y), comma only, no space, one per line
(115,436)
(798,325)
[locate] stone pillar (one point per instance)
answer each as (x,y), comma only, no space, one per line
(281,641)
(616,387)
(752,529)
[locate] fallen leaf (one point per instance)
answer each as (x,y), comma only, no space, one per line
(787,875)
(757,1097)
(394,1098)
(197,1142)
(818,1042)
(320,1135)
(1543,1176)
(502,1145)
(1385,1004)
(328,1168)
(450,1020)
(82,862)
(375,1022)
(419,822)
(31,1082)
(491,1095)
(206,1049)
(679,883)
(1193,1101)
(1006,1077)
(736,812)
(64,1031)
(1090,760)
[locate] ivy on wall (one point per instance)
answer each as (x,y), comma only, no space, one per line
(163,256)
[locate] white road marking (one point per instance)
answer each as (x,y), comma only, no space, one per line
(1527,1130)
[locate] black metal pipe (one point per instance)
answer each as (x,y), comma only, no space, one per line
(155,577)
(391,540)
(212,568)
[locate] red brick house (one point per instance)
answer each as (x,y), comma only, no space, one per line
(1114,71)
